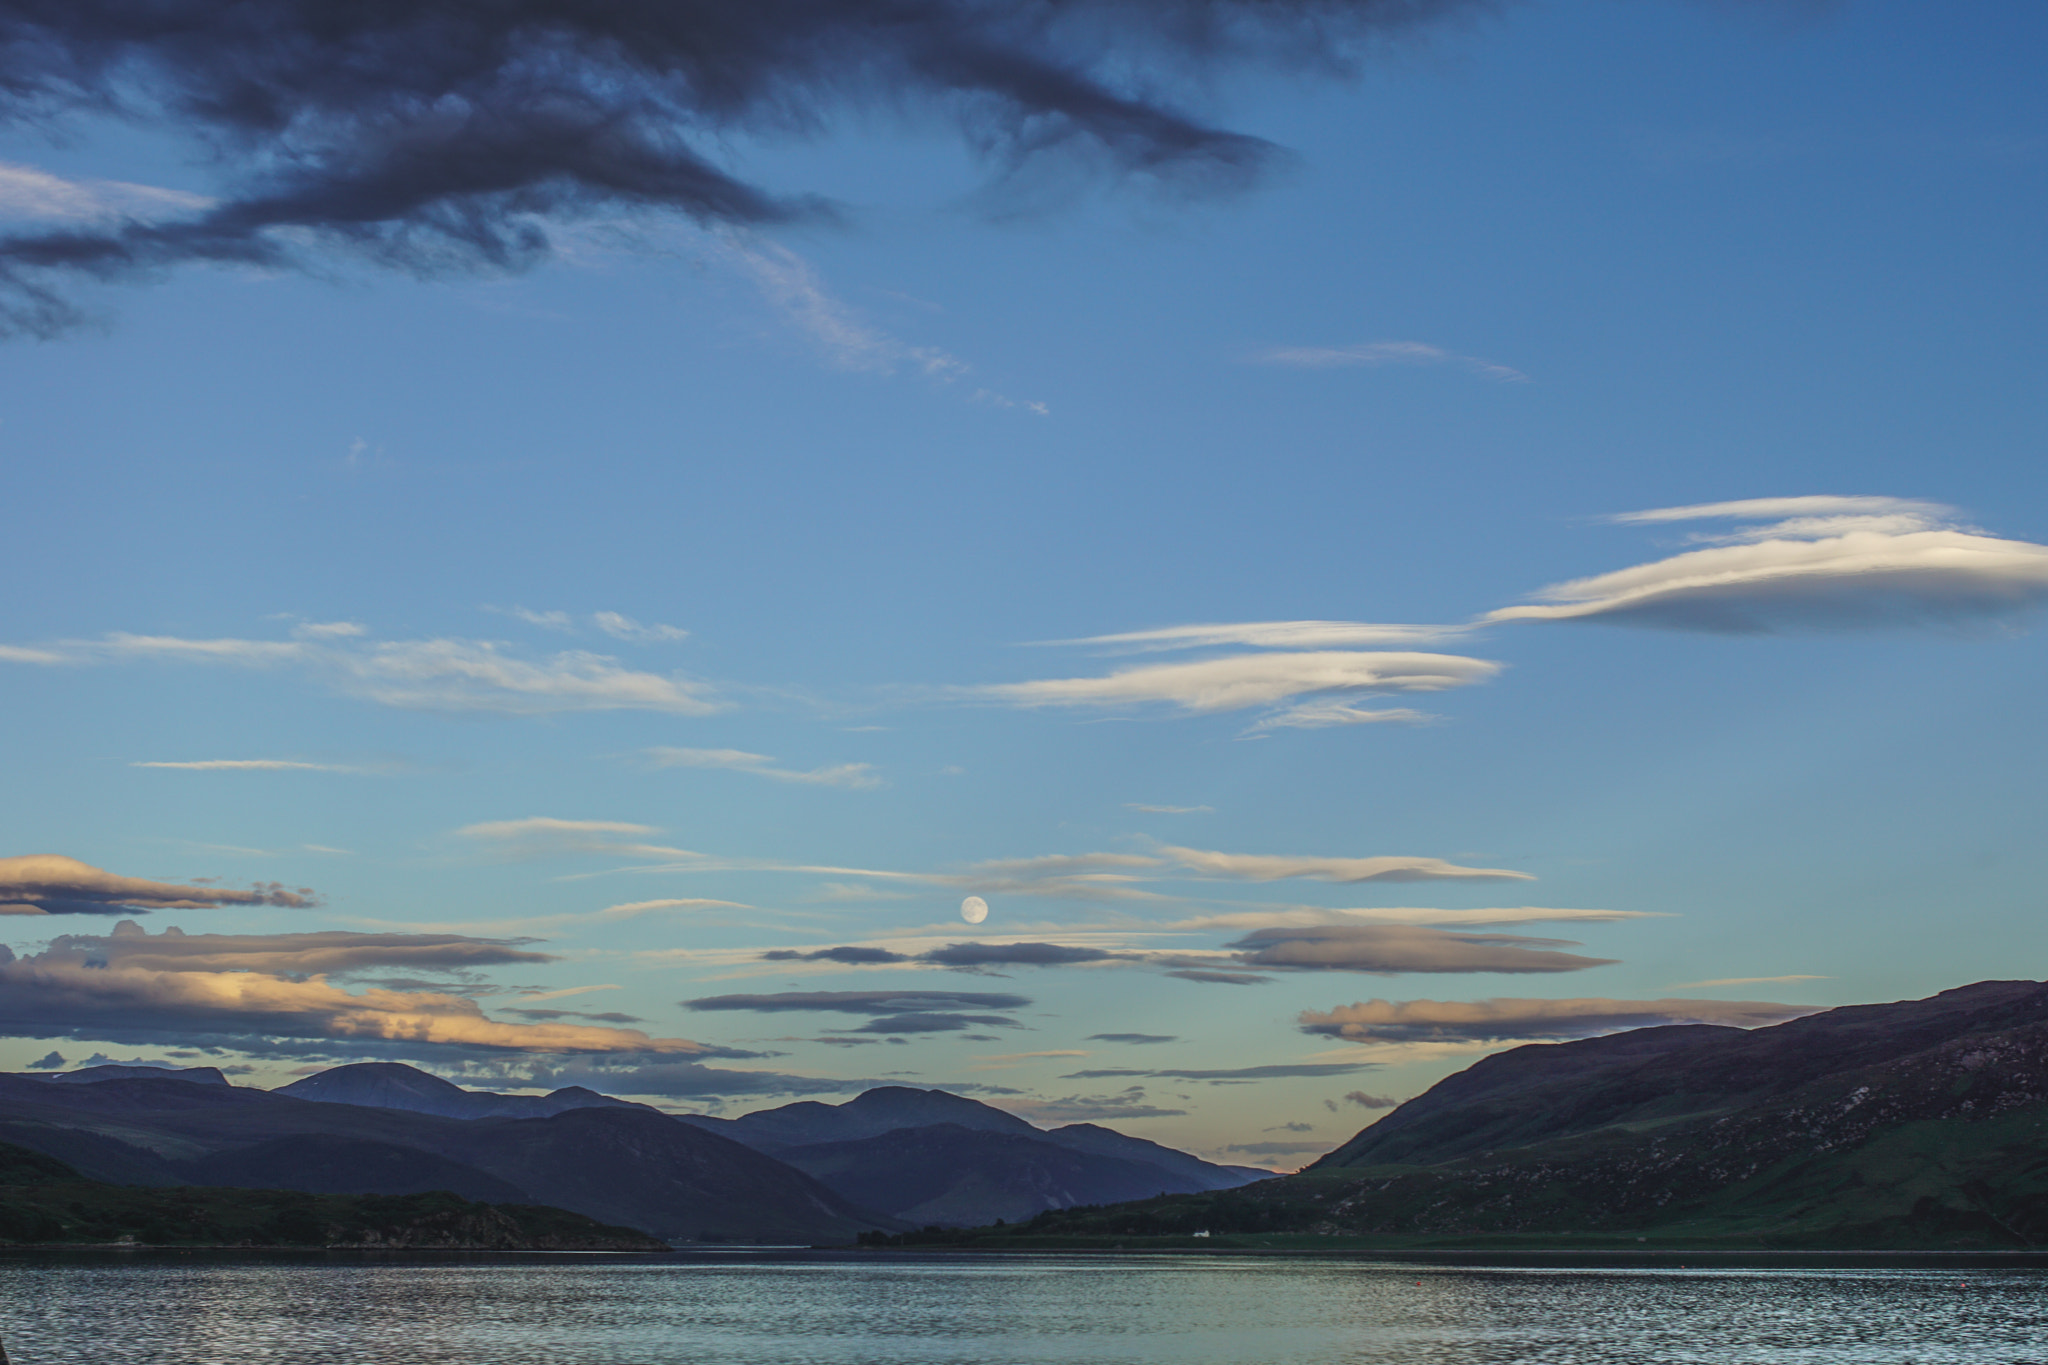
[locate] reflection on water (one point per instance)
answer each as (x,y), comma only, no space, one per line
(743,1310)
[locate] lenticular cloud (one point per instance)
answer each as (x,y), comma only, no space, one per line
(1818,563)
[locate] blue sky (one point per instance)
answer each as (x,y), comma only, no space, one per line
(711,563)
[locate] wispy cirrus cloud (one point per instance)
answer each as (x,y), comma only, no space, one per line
(858,776)
(1376,354)
(1810,563)
(437,674)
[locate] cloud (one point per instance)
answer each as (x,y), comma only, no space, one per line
(1169,810)
(856,775)
(1377,353)
(546,620)
(430,675)
(1819,563)
(322,953)
(262,765)
(29,193)
(1271,1072)
(1089,1109)
(792,288)
(50,884)
(1133,1038)
(1015,955)
(859,1002)
(1269,635)
(1276,1148)
(1365,1101)
(626,628)
(1320,715)
(1499,1020)
(893,1012)
(1315,915)
(1260,867)
(246,992)
(543,836)
(1210,978)
(852,956)
(440,137)
(1237,681)
(1391,948)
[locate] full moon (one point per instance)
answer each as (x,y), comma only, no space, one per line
(974,909)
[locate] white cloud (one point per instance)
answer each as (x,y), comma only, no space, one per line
(1271,635)
(1244,680)
(1818,563)
(329,630)
(855,775)
(1262,867)
(438,674)
(626,628)
(1377,353)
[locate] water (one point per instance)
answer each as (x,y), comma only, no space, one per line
(1210,1310)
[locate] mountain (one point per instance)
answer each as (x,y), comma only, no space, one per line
(874,1112)
(624,1164)
(44,1201)
(205,1075)
(931,1157)
(1661,1075)
(1188,1172)
(393,1085)
(1918,1124)
(962,1177)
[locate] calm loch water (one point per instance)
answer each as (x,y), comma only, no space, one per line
(749,1310)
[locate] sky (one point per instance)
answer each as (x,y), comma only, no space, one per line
(1367,540)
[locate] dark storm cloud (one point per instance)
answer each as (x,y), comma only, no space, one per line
(1405,948)
(439,135)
